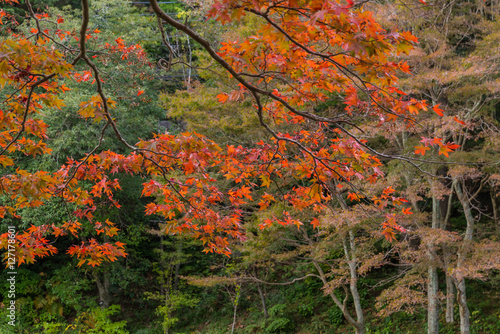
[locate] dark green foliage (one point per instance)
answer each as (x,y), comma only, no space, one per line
(279,322)
(335,316)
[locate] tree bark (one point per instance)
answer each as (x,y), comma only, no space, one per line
(358,328)
(103,285)
(263,301)
(467,211)
(433,304)
(450,300)
(262,297)
(460,282)
(352,261)
(494,208)
(450,287)
(432,285)
(463,308)
(353,282)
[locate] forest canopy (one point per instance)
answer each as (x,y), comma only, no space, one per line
(334,162)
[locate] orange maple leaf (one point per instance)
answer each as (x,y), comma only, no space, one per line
(421,149)
(444,151)
(438,110)
(222,97)
(389,234)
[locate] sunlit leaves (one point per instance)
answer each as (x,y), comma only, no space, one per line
(93,253)
(443,149)
(296,59)
(421,149)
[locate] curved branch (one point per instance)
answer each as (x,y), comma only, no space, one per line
(255,279)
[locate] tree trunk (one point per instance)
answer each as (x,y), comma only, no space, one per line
(467,211)
(236,301)
(358,328)
(263,301)
(262,297)
(450,287)
(463,308)
(432,285)
(460,283)
(352,261)
(433,307)
(450,300)
(103,285)
(353,283)
(494,208)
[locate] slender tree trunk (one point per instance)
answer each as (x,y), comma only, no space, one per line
(450,287)
(463,308)
(263,301)
(433,304)
(494,209)
(236,301)
(460,283)
(432,285)
(450,300)
(467,211)
(189,60)
(103,285)
(353,283)
(262,297)
(358,328)
(234,318)
(352,261)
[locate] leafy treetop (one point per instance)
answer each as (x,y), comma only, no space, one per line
(301,54)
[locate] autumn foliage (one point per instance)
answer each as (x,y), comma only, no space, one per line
(300,55)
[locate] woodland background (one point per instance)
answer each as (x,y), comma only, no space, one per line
(282,279)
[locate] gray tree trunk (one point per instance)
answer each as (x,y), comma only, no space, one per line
(263,301)
(432,285)
(433,303)
(495,208)
(463,308)
(353,283)
(352,261)
(450,287)
(450,300)
(460,283)
(358,328)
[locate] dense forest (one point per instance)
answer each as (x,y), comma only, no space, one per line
(236,166)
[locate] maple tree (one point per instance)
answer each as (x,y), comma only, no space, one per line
(327,48)
(300,54)
(285,102)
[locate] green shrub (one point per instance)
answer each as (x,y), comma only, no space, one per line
(336,316)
